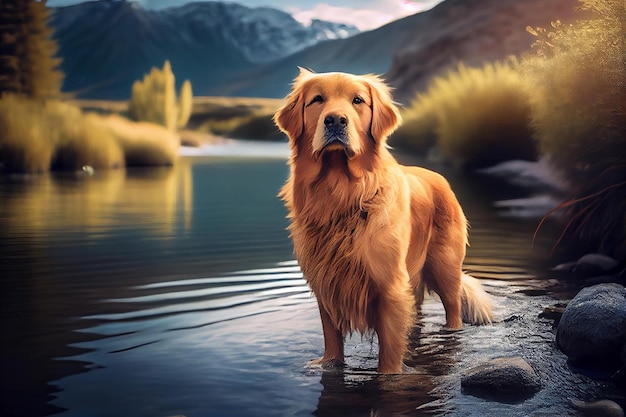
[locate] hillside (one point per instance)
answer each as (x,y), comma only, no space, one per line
(470,31)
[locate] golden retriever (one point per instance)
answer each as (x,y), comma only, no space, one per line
(370,235)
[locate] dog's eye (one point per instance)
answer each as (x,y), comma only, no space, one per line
(317,99)
(357,100)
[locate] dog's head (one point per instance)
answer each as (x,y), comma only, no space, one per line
(337,112)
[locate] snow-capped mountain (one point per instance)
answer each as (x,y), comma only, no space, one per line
(106,45)
(263,34)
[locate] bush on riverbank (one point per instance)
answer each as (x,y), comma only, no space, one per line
(41,135)
(474,116)
(143,144)
(579,119)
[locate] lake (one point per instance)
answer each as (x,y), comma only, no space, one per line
(174,291)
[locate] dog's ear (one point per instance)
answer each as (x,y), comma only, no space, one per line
(290,117)
(385,115)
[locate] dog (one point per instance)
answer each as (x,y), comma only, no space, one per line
(370,235)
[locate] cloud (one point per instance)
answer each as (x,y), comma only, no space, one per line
(366,17)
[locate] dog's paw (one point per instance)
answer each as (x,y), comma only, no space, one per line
(326,364)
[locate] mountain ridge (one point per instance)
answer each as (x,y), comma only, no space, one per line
(106,45)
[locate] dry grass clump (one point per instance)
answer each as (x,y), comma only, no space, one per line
(41,135)
(87,142)
(474,116)
(143,144)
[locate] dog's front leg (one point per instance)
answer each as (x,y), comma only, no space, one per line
(333,342)
(394,317)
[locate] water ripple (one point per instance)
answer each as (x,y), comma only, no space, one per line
(210,294)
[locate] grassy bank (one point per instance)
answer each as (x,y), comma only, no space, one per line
(42,135)
(236,117)
(565,101)
(233,117)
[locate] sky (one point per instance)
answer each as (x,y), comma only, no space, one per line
(364,14)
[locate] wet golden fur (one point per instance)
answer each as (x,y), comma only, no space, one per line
(370,235)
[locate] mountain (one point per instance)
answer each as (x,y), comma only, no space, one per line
(366,52)
(106,45)
(411,51)
(232,50)
(263,34)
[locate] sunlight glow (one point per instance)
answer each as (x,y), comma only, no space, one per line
(374,16)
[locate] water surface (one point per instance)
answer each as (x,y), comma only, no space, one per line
(174,291)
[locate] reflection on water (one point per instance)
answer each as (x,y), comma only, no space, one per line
(164,292)
(100,202)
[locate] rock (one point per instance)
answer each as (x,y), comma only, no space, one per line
(602,408)
(594,264)
(510,380)
(566,267)
(590,265)
(592,330)
(620,376)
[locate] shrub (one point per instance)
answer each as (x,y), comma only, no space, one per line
(478,116)
(579,117)
(89,142)
(144,144)
(154,99)
(37,136)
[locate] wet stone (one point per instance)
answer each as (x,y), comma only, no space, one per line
(592,330)
(509,380)
(602,408)
(588,266)
(595,264)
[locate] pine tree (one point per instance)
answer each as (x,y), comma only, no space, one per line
(12,16)
(28,64)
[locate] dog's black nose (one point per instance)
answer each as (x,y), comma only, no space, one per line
(331,120)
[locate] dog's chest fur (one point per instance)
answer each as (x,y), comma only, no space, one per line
(329,250)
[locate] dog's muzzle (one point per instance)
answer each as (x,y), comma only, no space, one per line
(336,132)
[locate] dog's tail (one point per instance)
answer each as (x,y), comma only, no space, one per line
(476,303)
